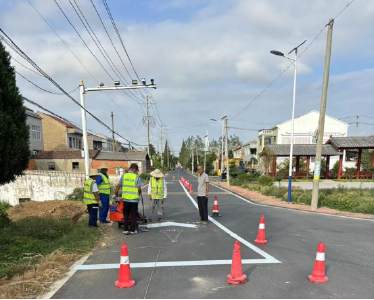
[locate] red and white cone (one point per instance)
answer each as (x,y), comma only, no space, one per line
(215,209)
(173,178)
(236,276)
(124,279)
(261,232)
(318,274)
(191,190)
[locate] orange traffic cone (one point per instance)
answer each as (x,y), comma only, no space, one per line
(319,266)
(215,209)
(173,178)
(124,279)
(188,185)
(236,277)
(261,232)
(191,190)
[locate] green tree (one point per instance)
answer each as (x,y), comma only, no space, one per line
(210,159)
(152,150)
(367,159)
(14,132)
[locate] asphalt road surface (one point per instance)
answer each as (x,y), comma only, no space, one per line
(194,262)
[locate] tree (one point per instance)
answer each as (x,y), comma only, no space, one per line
(367,159)
(152,150)
(14,132)
(210,159)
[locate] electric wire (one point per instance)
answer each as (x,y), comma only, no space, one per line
(9,42)
(26,67)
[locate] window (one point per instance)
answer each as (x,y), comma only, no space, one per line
(36,133)
(75,143)
(110,147)
(75,165)
(51,166)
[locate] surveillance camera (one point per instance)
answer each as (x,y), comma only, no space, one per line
(101,84)
(152,81)
(143,81)
(116,83)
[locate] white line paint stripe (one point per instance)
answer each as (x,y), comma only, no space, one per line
(234,235)
(295,210)
(320,256)
(164,224)
(172,264)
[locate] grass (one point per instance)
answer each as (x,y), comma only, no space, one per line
(24,243)
(354,180)
(356,200)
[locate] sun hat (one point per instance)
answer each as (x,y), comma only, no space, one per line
(157,173)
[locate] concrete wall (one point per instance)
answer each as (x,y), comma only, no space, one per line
(115,166)
(64,165)
(54,134)
(44,186)
(35,145)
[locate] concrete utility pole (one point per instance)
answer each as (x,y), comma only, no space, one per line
(197,156)
(147,107)
(356,124)
(114,141)
(129,147)
(227,152)
(192,167)
(84,127)
(321,125)
(168,155)
(162,152)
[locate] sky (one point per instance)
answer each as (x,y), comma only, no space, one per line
(209,58)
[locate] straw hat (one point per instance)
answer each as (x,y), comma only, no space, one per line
(93,172)
(157,173)
(103,166)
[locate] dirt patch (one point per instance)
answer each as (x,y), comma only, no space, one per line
(272,201)
(55,209)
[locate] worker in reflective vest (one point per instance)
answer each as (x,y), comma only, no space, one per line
(130,184)
(157,193)
(103,184)
(91,197)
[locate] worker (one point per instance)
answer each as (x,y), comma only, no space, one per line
(157,193)
(131,184)
(202,195)
(103,184)
(91,197)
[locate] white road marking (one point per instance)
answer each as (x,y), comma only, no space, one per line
(295,210)
(234,235)
(164,224)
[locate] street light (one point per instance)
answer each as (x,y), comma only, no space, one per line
(294,62)
(221,143)
(101,87)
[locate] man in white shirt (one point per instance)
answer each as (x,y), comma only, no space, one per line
(157,193)
(202,195)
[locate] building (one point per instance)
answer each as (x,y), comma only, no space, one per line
(249,152)
(65,161)
(305,132)
(122,160)
(36,131)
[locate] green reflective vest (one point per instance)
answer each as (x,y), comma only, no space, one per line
(157,188)
(104,186)
(130,187)
(89,197)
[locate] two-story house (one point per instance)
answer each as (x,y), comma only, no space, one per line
(36,131)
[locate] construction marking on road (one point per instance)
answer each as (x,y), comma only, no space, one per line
(292,209)
(234,235)
(164,224)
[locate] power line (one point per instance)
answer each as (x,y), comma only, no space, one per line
(244,128)
(26,67)
(281,74)
(9,42)
(42,88)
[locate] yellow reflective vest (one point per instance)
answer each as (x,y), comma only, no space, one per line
(104,186)
(88,196)
(130,187)
(157,188)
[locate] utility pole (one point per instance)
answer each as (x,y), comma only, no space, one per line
(84,127)
(321,125)
(114,141)
(162,152)
(197,155)
(129,147)
(147,107)
(192,167)
(356,124)
(167,153)
(227,153)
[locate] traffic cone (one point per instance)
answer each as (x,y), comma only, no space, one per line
(236,276)
(261,232)
(124,279)
(318,274)
(215,209)
(173,178)
(188,185)
(191,190)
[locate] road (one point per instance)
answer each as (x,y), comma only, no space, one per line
(194,262)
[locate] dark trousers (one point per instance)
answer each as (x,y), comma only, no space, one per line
(92,210)
(130,208)
(202,202)
(103,212)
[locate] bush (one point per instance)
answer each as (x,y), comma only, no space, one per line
(4,220)
(145,176)
(77,195)
(265,181)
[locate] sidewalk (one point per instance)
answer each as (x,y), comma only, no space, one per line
(272,201)
(329,184)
